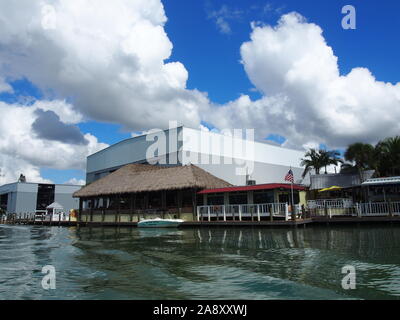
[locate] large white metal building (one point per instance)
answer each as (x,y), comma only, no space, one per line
(236,159)
(23,197)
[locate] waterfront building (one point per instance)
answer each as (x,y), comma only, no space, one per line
(138,191)
(231,158)
(382,189)
(23,197)
(252,202)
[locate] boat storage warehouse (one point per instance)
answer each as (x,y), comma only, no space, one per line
(221,155)
(23,197)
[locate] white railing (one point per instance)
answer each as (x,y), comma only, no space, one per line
(378,209)
(330,203)
(240,211)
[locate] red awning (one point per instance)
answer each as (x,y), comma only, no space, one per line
(269,186)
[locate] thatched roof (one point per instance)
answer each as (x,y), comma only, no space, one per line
(134,178)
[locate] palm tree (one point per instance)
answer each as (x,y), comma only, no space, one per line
(313,162)
(363,155)
(389,156)
(330,158)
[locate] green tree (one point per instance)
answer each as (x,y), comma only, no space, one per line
(311,161)
(363,156)
(389,156)
(329,158)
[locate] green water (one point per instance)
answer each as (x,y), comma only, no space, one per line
(233,263)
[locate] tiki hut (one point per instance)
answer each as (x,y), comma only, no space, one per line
(141,188)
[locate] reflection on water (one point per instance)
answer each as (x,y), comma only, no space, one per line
(233,263)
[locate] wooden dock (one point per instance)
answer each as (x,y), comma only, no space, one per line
(190,224)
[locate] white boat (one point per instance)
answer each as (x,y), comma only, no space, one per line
(160,223)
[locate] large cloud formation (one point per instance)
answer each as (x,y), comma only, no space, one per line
(304,97)
(106,56)
(109,60)
(23,150)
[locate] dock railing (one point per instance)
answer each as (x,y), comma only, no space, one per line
(331,207)
(371,209)
(240,212)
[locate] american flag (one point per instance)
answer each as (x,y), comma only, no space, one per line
(289,176)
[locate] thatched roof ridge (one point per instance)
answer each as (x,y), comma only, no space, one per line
(134,178)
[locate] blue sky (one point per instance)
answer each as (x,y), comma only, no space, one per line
(212,56)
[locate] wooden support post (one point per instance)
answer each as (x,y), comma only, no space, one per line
(117,211)
(390,208)
(91,211)
(271,213)
(293,212)
(258,213)
(179,203)
(131,207)
(79,217)
(163,203)
(194,200)
(286,212)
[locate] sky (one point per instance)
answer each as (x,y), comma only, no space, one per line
(77,75)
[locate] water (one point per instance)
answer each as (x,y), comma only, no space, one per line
(233,263)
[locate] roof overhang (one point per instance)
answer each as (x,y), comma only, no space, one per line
(270,186)
(382,181)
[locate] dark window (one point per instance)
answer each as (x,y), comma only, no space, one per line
(215,200)
(237,198)
(4,201)
(45,196)
(187,198)
(125,202)
(287,198)
(140,201)
(200,199)
(172,199)
(113,205)
(263,197)
(155,200)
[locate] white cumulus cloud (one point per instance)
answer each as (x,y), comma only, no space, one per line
(305,98)
(22,150)
(107,57)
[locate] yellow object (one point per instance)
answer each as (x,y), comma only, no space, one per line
(333,188)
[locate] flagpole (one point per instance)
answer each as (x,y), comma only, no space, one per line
(292,190)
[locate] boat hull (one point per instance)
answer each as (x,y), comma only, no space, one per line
(160,223)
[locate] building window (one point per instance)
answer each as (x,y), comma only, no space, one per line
(4,201)
(187,198)
(237,198)
(172,199)
(125,202)
(263,197)
(140,201)
(200,200)
(215,200)
(155,200)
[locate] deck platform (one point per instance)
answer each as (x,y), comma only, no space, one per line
(189,224)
